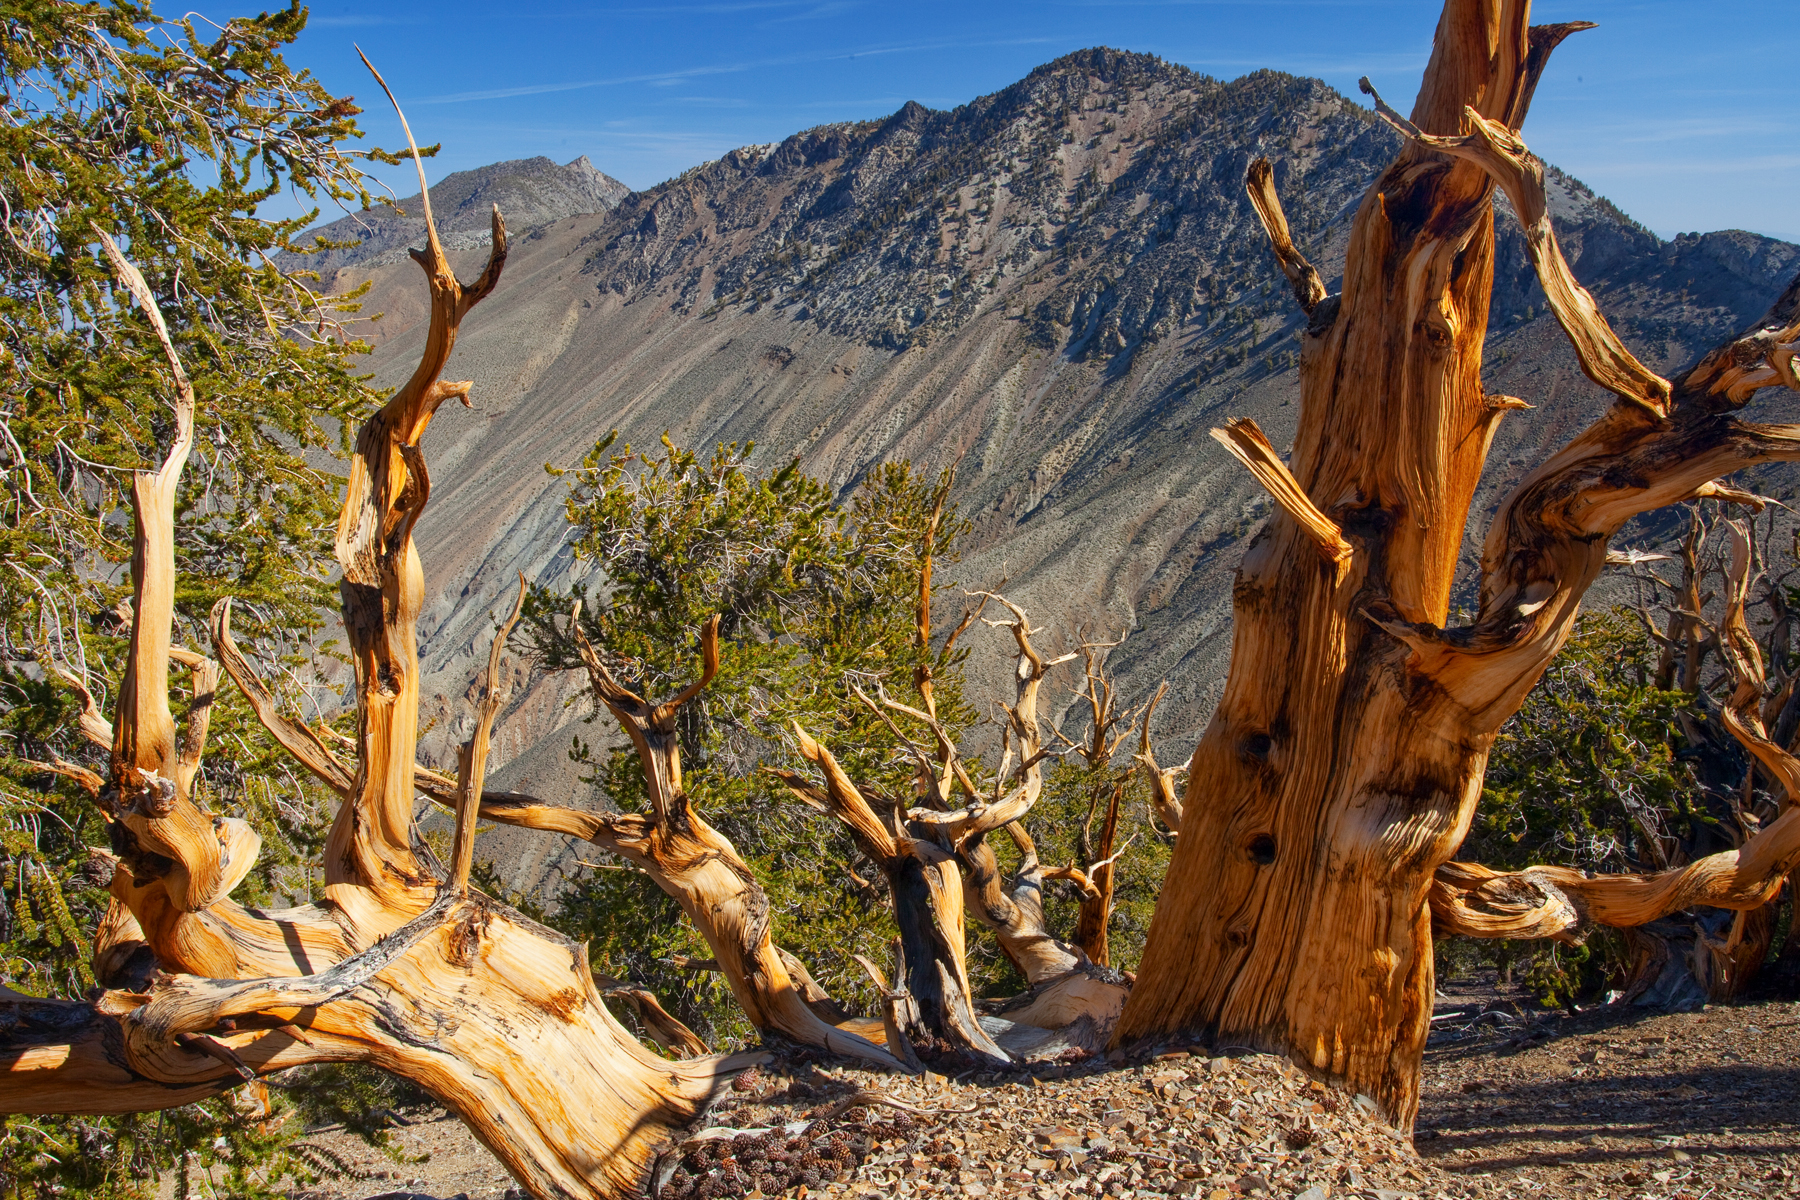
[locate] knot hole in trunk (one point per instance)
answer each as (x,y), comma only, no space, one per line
(1262,849)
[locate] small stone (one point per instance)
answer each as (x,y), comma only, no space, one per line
(1219,1066)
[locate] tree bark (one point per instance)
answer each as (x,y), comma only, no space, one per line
(1345,759)
(403,965)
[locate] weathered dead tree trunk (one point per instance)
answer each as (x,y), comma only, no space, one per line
(1686,959)
(1095,885)
(495,1016)
(927,894)
(935,859)
(1345,759)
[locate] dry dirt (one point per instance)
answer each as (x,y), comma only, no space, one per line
(1607,1103)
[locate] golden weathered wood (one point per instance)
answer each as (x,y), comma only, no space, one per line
(1309,289)
(497,1017)
(939,867)
(473,755)
(1343,763)
(1247,444)
(927,892)
(694,863)
(1162,780)
(1557,902)
(1498,150)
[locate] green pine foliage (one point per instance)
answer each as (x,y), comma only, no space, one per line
(224,1148)
(1577,778)
(814,597)
(169,135)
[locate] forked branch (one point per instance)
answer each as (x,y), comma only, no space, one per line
(1500,152)
(370,865)
(651,727)
(151,773)
(1162,781)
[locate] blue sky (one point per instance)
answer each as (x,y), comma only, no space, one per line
(1680,112)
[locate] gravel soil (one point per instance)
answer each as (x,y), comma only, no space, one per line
(1611,1103)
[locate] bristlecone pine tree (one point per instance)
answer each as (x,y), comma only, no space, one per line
(1324,801)
(1342,767)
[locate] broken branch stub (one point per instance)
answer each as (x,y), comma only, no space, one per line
(1309,289)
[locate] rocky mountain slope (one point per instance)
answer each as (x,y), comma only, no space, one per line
(1062,283)
(532,192)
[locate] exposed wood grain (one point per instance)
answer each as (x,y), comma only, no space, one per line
(1343,764)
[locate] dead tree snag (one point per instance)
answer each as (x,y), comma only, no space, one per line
(938,866)
(403,966)
(1342,766)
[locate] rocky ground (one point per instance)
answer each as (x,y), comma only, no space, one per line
(1600,1104)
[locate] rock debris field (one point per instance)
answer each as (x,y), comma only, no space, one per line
(1603,1104)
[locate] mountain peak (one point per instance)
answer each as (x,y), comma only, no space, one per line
(531,193)
(1063,281)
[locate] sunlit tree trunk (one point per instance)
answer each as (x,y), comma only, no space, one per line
(405,966)
(1345,759)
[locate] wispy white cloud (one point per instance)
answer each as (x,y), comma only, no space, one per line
(817,12)
(1712,127)
(663,78)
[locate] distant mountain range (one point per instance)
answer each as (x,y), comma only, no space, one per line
(531,192)
(1063,282)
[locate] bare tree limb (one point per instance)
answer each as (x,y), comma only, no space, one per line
(1309,289)
(473,755)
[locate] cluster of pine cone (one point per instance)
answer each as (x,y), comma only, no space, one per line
(721,1167)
